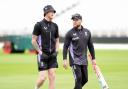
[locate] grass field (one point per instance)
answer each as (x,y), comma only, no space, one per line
(19,71)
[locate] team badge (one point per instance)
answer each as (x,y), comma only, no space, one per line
(45,28)
(74,34)
(86,34)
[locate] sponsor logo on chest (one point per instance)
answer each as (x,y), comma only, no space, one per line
(86,34)
(45,28)
(75,37)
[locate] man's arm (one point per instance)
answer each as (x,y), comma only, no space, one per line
(91,50)
(35,44)
(91,47)
(65,49)
(66,45)
(57,44)
(36,32)
(57,38)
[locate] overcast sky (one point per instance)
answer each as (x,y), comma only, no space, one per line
(97,14)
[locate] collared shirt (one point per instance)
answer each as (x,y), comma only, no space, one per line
(47,33)
(77,40)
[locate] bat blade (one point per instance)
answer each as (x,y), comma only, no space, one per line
(100,77)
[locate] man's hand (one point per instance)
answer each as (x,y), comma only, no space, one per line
(45,56)
(93,63)
(40,52)
(65,63)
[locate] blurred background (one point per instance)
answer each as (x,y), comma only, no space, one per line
(106,19)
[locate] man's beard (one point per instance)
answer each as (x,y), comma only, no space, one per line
(77,26)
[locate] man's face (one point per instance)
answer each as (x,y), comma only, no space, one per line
(50,15)
(77,22)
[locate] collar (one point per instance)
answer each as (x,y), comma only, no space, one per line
(76,29)
(47,22)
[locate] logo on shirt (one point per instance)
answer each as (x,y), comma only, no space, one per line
(45,28)
(86,34)
(74,34)
(75,38)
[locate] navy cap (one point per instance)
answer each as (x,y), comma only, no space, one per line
(76,16)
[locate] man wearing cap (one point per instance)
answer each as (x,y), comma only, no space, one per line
(45,39)
(77,40)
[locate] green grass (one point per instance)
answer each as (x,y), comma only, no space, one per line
(19,71)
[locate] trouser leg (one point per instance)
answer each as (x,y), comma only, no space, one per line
(78,76)
(84,71)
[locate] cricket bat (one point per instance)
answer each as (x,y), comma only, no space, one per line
(100,77)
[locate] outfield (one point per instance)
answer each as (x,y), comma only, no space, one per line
(19,71)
